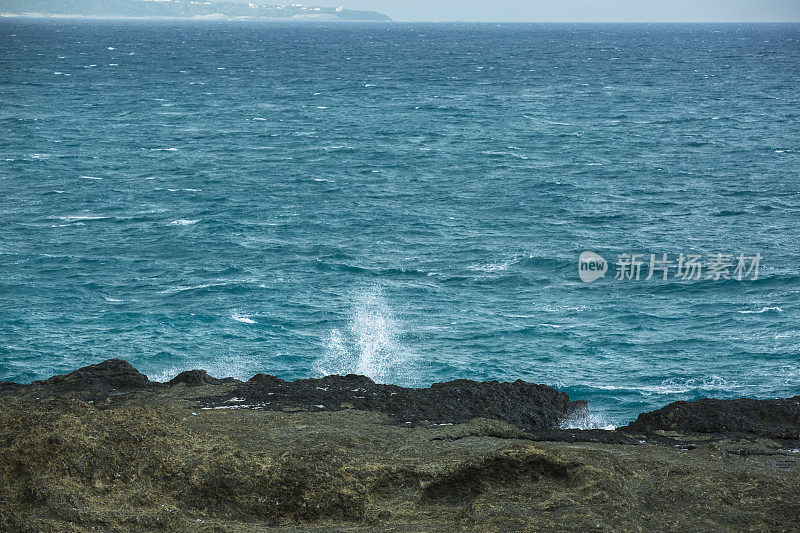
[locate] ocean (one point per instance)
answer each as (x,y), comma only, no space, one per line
(405,201)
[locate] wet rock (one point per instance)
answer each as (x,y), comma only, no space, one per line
(768,418)
(526,405)
(113,374)
(9,386)
(195,378)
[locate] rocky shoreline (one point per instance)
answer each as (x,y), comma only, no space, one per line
(105,448)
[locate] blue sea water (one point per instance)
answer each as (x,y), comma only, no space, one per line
(406,201)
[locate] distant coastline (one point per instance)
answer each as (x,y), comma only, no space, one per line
(56,16)
(182,10)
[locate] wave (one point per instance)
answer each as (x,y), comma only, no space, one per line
(762,310)
(83,217)
(244,319)
(494,267)
(674,386)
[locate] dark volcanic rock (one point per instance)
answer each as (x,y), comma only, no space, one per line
(194,378)
(9,386)
(768,418)
(526,405)
(113,374)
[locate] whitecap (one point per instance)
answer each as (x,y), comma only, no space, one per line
(184,222)
(173,290)
(493,267)
(762,310)
(244,319)
(673,386)
(83,217)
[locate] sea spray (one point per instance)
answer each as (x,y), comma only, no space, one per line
(370,344)
(586,419)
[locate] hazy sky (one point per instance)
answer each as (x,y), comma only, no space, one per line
(580,10)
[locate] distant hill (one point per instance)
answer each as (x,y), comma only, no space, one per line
(183,9)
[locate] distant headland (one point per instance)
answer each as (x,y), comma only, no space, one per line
(183,9)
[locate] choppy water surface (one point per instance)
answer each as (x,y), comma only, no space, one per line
(403,201)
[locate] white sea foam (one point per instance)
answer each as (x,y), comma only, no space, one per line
(370,344)
(184,222)
(585,419)
(676,386)
(762,310)
(494,267)
(244,319)
(82,217)
(173,290)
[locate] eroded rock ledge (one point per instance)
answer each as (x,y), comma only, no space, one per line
(103,448)
(529,407)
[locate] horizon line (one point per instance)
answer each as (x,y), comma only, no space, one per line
(393,21)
